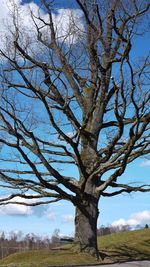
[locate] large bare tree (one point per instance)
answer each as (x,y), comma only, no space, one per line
(75,97)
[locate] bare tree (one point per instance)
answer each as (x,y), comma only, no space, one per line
(77,99)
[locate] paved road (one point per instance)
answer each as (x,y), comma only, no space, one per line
(128,264)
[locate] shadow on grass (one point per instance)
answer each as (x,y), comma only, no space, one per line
(125,253)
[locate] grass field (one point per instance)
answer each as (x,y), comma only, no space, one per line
(133,245)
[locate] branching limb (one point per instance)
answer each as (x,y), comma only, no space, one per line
(127,189)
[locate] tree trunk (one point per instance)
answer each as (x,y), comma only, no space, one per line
(87,206)
(86,227)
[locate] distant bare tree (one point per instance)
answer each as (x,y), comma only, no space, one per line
(55,239)
(106,230)
(19,242)
(79,98)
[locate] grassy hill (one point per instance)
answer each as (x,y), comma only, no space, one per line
(118,247)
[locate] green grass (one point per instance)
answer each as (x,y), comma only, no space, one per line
(134,245)
(45,258)
(127,245)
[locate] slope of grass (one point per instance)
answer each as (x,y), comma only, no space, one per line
(121,246)
(129,245)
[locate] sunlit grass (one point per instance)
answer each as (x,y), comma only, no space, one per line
(45,258)
(127,245)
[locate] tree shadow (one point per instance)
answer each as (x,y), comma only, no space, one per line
(126,253)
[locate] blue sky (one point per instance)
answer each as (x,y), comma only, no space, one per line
(44,220)
(58,3)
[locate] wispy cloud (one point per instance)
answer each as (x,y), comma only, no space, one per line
(135,219)
(145,163)
(68,218)
(50,214)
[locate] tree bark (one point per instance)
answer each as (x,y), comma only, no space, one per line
(86,227)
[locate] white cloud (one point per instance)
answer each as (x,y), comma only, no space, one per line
(16,209)
(67,22)
(135,219)
(145,163)
(68,218)
(141,216)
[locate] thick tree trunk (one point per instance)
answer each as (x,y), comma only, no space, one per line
(87,206)
(86,228)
